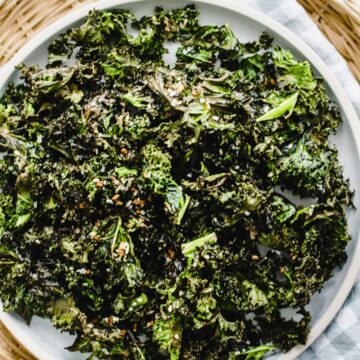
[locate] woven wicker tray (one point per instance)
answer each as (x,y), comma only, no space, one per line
(21,19)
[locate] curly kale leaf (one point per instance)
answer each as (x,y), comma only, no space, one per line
(157,169)
(256,353)
(286,106)
(293,72)
(167,334)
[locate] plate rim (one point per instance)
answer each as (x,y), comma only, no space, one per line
(283,32)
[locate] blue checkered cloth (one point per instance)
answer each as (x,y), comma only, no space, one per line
(341,340)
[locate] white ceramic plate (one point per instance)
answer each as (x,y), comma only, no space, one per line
(47,343)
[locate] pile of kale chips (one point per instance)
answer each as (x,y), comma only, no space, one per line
(142,204)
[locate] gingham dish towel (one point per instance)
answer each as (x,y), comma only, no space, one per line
(341,340)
